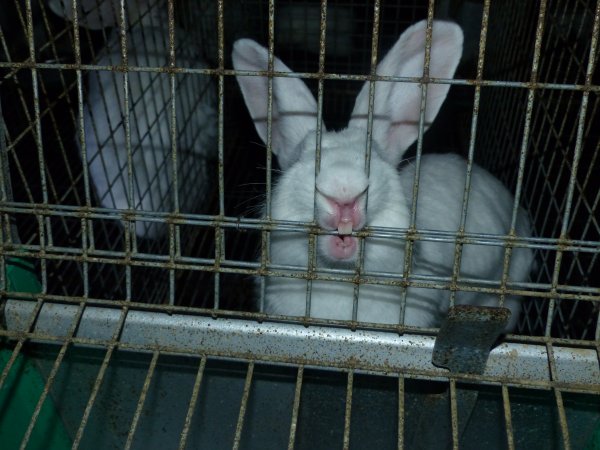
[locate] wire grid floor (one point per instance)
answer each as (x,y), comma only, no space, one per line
(206,402)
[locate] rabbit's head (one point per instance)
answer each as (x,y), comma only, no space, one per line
(344,186)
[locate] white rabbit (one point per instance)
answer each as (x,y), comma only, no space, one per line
(342,186)
(150,123)
(95,14)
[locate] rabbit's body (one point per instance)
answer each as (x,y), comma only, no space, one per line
(439,208)
(150,124)
(489,212)
(348,199)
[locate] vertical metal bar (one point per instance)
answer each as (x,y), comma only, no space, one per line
(20,343)
(173,107)
(296,407)
(219,234)
(38,125)
(359,266)
(311,268)
(8,228)
(174,231)
(10,362)
(221,107)
(93,394)
(43,222)
(270,62)
(126,107)
(86,224)
(142,399)
(525,143)
(130,235)
(44,394)
(128,253)
(424,88)
(508,418)
(52,113)
(265,235)
(575,163)
(348,411)
(372,83)
(471,151)
(555,97)
(408,252)
(192,405)
(85,263)
(529,110)
(454,414)
(369,141)
(51,376)
(528,115)
(174,251)
(401,412)
(99,378)
(243,406)
(219,241)
(312,240)
(562,417)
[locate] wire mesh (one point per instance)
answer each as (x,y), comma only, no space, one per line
(523,104)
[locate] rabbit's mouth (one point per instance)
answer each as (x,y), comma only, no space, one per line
(341,247)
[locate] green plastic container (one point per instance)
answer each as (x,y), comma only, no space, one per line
(22,388)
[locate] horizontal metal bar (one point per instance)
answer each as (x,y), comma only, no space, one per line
(304,75)
(260,317)
(413,280)
(364,350)
(248,224)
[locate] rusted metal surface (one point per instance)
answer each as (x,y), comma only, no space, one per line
(296,407)
(508,418)
(466,337)
(192,405)
(371,351)
(348,410)
(240,423)
(463,346)
(141,400)
(401,412)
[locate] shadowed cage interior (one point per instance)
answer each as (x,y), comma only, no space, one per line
(532,132)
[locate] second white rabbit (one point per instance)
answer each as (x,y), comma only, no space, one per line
(149,113)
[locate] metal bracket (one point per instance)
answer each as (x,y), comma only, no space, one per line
(463,345)
(466,337)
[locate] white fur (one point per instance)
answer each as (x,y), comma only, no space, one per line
(342,176)
(150,124)
(98,14)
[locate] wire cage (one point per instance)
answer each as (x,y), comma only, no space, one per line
(135,252)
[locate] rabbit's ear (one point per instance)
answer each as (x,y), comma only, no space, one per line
(294,107)
(397,104)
